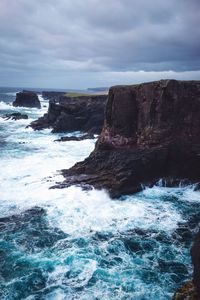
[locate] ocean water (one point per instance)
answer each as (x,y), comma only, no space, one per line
(73,244)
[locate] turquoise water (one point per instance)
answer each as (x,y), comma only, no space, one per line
(74,244)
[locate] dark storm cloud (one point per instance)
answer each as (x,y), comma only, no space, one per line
(98,35)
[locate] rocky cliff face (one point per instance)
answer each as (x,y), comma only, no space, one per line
(82,113)
(152,114)
(27,99)
(151,131)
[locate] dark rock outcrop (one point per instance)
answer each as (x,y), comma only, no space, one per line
(151,131)
(75,138)
(15,116)
(79,113)
(27,99)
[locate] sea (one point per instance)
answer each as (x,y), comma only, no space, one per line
(64,244)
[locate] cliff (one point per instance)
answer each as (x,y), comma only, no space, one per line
(151,131)
(27,99)
(77,113)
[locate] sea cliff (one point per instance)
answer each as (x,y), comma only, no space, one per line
(150,131)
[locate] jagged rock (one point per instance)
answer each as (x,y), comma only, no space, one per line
(15,116)
(79,113)
(151,131)
(27,99)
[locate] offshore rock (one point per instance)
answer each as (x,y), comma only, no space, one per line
(15,116)
(27,99)
(151,131)
(79,113)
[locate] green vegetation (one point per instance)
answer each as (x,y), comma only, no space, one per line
(74,94)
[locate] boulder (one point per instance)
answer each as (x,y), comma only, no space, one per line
(151,131)
(27,99)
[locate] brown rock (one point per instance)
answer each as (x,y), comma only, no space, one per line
(151,131)
(27,99)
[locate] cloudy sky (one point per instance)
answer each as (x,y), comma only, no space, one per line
(87,43)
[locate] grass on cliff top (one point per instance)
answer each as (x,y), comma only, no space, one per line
(73,95)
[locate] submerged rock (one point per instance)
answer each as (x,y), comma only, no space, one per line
(151,131)
(77,113)
(15,116)
(30,229)
(27,99)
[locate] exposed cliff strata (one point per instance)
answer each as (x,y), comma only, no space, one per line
(151,130)
(80,113)
(27,99)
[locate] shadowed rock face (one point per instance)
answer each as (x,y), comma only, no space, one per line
(27,99)
(151,114)
(80,113)
(151,131)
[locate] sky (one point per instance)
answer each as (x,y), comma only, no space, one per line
(95,43)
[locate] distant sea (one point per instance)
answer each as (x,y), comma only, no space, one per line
(74,244)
